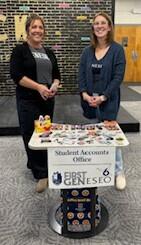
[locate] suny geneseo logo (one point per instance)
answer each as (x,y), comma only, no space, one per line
(80,178)
(57,178)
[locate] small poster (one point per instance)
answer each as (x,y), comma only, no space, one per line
(79,167)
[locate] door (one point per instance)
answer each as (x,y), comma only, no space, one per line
(129,37)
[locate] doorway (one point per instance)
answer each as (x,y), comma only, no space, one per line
(127,19)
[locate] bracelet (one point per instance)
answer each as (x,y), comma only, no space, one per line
(103,98)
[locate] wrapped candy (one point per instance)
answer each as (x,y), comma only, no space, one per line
(42,124)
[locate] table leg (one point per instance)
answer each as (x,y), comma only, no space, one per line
(78,216)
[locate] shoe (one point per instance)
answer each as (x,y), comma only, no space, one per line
(42,185)
(120,182)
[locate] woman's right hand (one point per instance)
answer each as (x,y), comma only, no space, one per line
(43,91)
(40,88)
(88,98)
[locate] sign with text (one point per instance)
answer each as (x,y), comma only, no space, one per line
(81,167)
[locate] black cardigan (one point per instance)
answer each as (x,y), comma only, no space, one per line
(22,63)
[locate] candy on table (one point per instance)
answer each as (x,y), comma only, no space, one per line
(110,125)
(42,124)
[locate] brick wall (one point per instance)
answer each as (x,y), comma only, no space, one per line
(68,25)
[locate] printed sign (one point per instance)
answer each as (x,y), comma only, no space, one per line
(81,167)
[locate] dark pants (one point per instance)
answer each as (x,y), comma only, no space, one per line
(28,111)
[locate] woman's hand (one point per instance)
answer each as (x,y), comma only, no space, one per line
(87,98)
(40,88)
(93,101)
(54,88)
(96,101)
(43,91)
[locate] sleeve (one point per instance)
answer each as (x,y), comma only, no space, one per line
(118,71)
(55,70)
(82,73)
(16,64)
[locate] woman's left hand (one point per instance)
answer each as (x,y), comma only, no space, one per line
(54,88)
(96,101)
